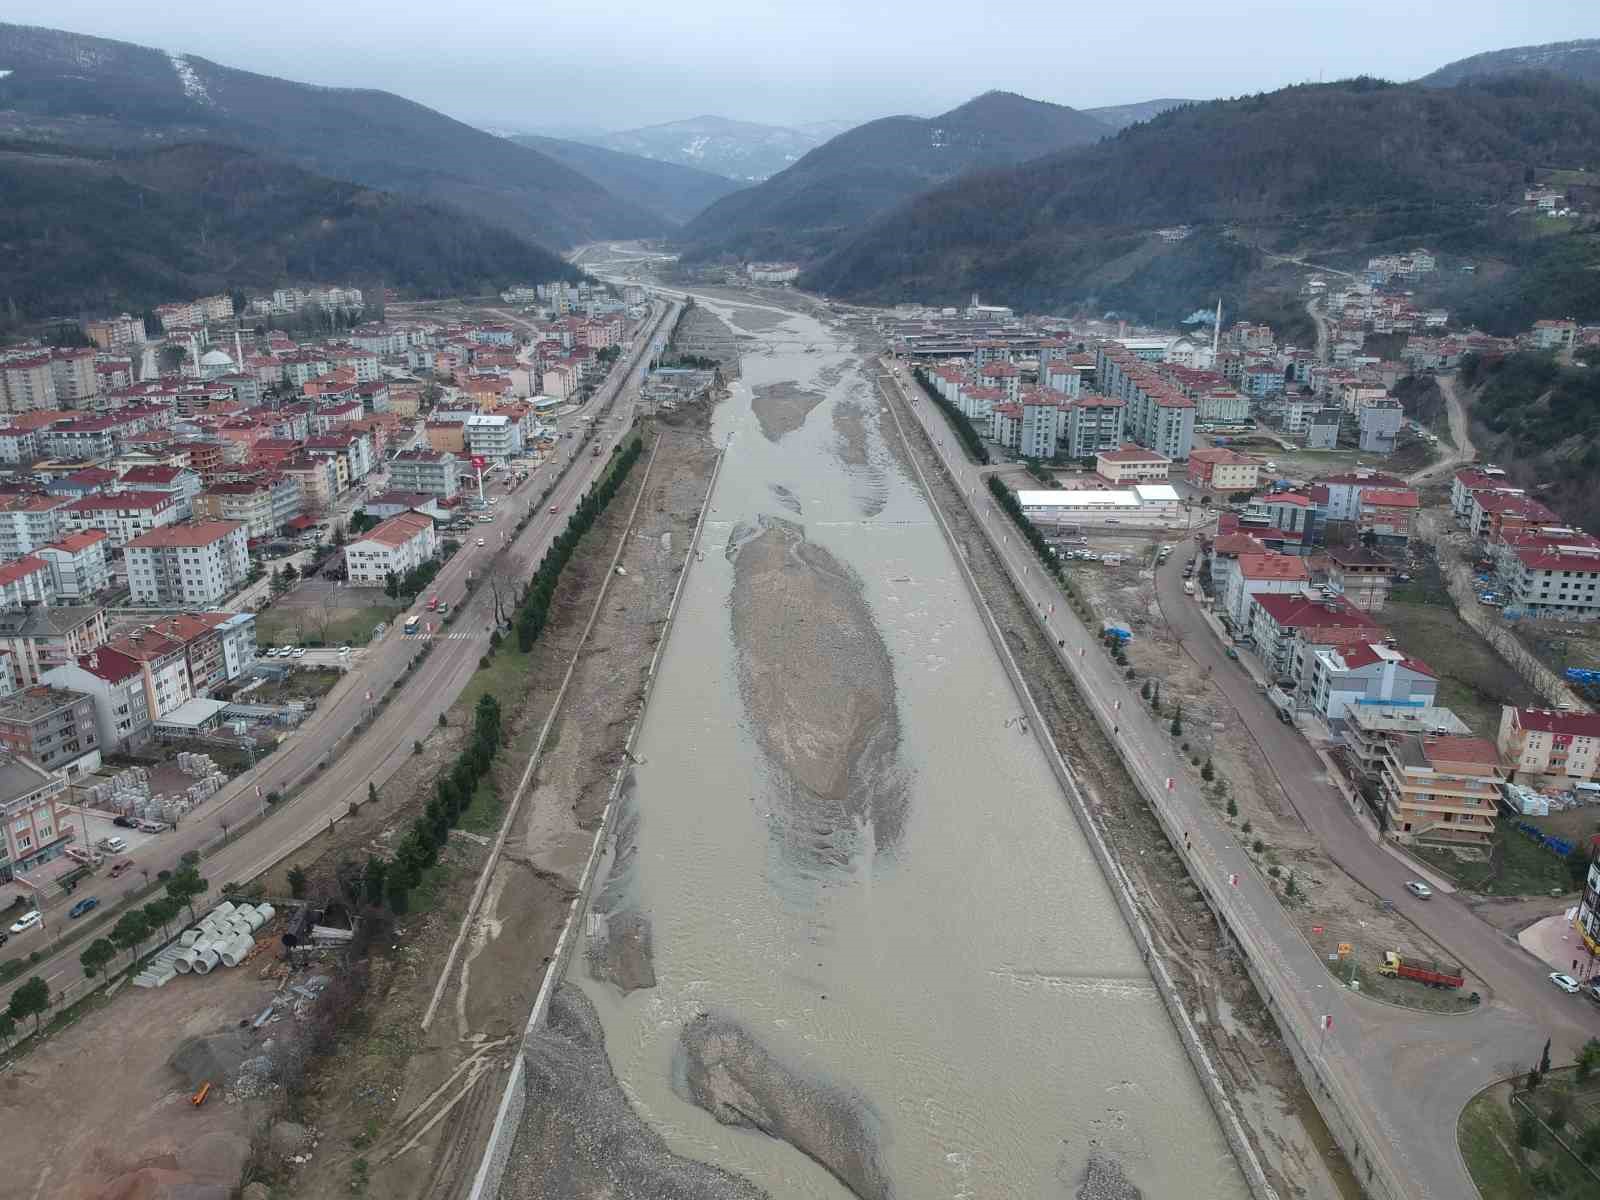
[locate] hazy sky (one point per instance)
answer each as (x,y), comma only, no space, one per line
(611,66)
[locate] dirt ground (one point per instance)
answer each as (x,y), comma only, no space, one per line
(404,1112)
(95,1112)
(1284,1125)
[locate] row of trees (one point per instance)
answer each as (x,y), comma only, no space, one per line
(414,582)
(391,882)
(534,610)
(1008,501)
(976,450)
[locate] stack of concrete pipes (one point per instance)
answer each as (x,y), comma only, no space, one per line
(226,936)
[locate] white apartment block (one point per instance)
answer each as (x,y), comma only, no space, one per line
(396,546)
(190,565)
(29,522)
(78,565)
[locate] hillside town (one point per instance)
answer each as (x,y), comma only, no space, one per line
(165,487)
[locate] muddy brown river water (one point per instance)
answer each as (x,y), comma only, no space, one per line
(852,857)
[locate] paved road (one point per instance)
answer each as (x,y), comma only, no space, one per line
(379,752)
(1403,1075)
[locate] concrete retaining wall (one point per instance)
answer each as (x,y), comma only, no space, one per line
(513,1101)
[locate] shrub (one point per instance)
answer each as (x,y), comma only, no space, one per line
(274,796)
(1245,828)
(1233,808)
(1528,1130)
(1258,845)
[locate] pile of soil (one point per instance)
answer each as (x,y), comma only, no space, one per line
(215,1058)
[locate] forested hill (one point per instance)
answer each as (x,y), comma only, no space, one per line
(668,189)
(836,188)
(1579,60)
(94,92)
(1334,167)
(84,232)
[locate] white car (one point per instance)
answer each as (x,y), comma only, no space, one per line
(299,651)
(1565,982)
(1419,889)
(26,921)
(480,541)
(343,650)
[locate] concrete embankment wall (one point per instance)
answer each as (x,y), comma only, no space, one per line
(513,1101)
(1339,1111)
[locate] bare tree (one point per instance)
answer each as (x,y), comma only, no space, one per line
(322,615)
(502,582)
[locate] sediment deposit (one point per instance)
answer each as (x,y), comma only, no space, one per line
(782,408)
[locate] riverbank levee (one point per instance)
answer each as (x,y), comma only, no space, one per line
(851,853)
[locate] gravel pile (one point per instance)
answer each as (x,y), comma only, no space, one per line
(732,1076)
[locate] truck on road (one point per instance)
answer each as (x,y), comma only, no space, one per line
(1396,967)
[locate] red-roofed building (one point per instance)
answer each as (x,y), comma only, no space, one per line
(1468,482)
(1441,789)
(1132,464)
(1546,749)
(1491,514)
(1367,673)
(1288,628)
(1389,515)
(393,547)
(25,581)
(1555,577)
(194,564)
(1219,469)
(175,481)
(117,685)
(78,565)
(122,516)
(1250,575)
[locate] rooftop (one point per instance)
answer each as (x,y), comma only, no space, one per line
(1273,566)
(1300,610)
(20,777)
(30,704)
(189,533)
(1133,454)
(397,530)
(1569,724)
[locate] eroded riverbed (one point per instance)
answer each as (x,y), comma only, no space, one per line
(847,850)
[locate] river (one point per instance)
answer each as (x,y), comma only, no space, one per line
(934,938)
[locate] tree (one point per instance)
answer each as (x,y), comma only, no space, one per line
(1233,808)
(31,999)
(1589,1143)
(1145,690)
(1588,1060)
(373,879)
(162,913)
(1544,1059)
(185,885)
(94,959)
(297,881)
(8,1029)
(372,792)
(290,573)
(131,932)
(1208,772)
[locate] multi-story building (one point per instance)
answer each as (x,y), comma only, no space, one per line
(318,479)
(1441,789)
(175,481)
(26,581)
(1093,424)
(1379,425)
(1041,419)
(116,333)
(1388,516)
(165,666)
(353,453)
(193,564)
(18,445)
(1322,429)
(493,436)
(35,639)
(116,684)
(1220,469)
(1368,728)
(55,727)
(1560,580)
(393,547)
(1288,630)
(31,830)
(263,504)
(27,384)
(1246,576)
(428,471)
(1548,749)
(29,522)
(122,516)
(78,565)
(1369,673)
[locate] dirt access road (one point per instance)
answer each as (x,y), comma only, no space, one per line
(1460,433)
(380,749)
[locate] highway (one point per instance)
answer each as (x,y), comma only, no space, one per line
(1403,1074)
(378,752)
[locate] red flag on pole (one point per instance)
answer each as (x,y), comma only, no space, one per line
(1327,1022)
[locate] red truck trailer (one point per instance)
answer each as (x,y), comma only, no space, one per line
(1396,967)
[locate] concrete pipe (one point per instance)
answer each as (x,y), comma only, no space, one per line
(256,920)
(188,937)
(266,912)
(243,912)
(223,909)
(207,959)
(184,962)
(236,951)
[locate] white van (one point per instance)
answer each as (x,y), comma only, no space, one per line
(112,845)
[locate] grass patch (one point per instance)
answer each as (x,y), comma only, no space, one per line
(1503,1168)
(482,815)
(1488,1140)
(505,678)
(1516,866)
(284,625)
(425,895)
(1474,681)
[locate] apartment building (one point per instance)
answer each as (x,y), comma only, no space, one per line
(55,727)
(1368,673)
(78,565)
(1388,515)
(318,479)
(195,564)
(1561,580)
(116,684)
(1245,576)
(18,446)
(164,662)
(1220,469)
(31,832)
(36,639)
(263,505)
(393,547)
(1360,576)
(1368,728)
(1041,419)
(26,581)
(430,471)
(29,522)
(122,516)
(27,383)
(1545,749)
(493,436)
(116,333)
(1442,789)
(1288,630)
(179,482)
(1094,423)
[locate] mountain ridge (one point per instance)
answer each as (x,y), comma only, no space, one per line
(670,190)
(97,92)
(1578,60)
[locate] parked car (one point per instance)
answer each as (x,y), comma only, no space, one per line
(299,652)
(122,822)
(82,906)
(26,921)
(343,650)
(117,868)
(1419,889)
(112,844)
(480,542)
(555,508)
(1565,982)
